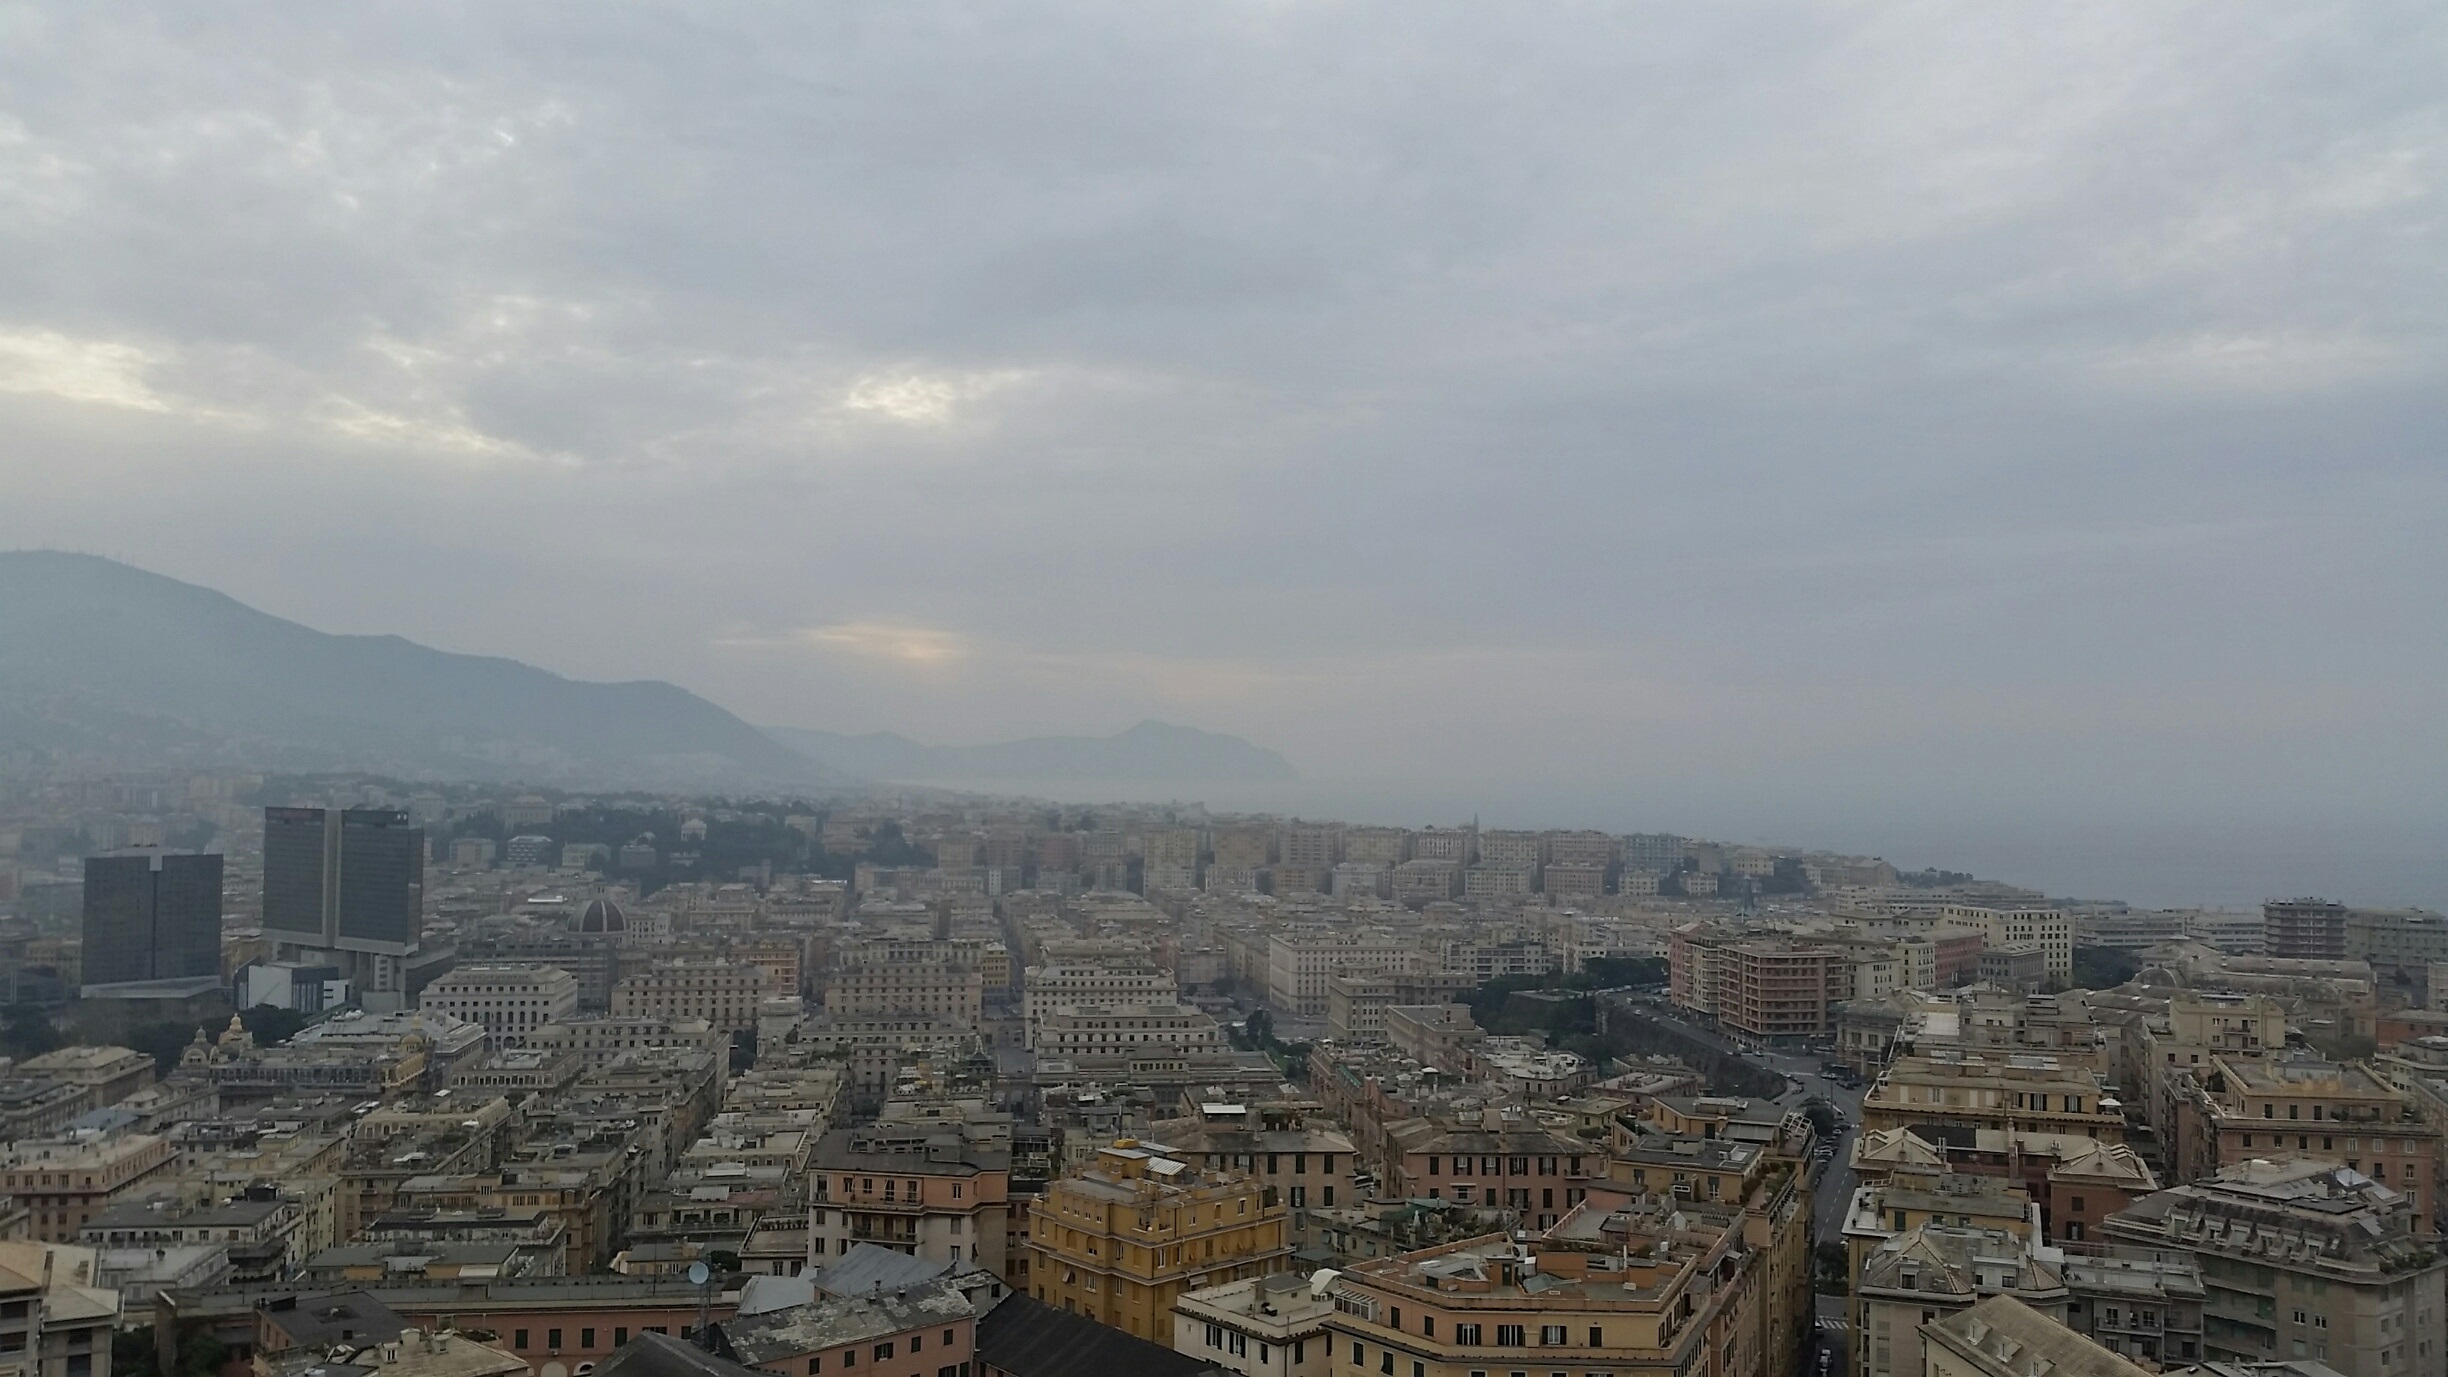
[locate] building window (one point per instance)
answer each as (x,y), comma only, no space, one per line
(815,1365)
(1466,1334)
(1597,1337)
(518,1338)
(1551,1335)
(586,1338)
(552,1338)
(1508,1336)
(620,1335)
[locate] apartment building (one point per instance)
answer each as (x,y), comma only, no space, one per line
(899,1331)
(2046,928)
(2304,929)
(1593,849)
(951,992)
(508,1002)
(1356,1003)
(56,1316)
(1492,1162)
(1943,1096)
(2002,1337)
(1626,1288)
(1310,848)
(932,1195)
(109,1074)
(1385,846)
(1092,1035)
(1569,884)
(2141,1303)
(1305,1161)
(723,994)
(1494,884)
(1426,880)
(1046,988)
(1512,850)
(2303,1106)
(65,1182)
(1273,1326)
(1911,1197)
(1936,1270)
(1298,965)
(1124,1238)
(2128,929)
(598,1040)
(2304,1259)
(1774,991)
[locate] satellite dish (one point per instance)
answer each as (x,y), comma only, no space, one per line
(700,1274)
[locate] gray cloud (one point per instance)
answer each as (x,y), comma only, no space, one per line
(1781,417)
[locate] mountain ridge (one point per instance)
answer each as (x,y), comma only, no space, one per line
(105,658)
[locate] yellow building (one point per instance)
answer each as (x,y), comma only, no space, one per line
(1137,1228)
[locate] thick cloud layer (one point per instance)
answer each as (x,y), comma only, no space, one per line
(1903,427)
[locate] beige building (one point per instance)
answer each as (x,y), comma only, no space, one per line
(2304,1259)
(2047,928)
(1298,965)
(2004,1092)
(1047,987)
(1089,1034)
(111,1073)
(723,994)
(949,991)
(65,1182)
(56,1318)
(1273,1326)
(1942,1268)
(2301,1106)
(2003,1337)
(1304,1160)
(511,1002)
(601,1039)
(931,1195)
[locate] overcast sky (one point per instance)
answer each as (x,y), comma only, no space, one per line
(1897,426)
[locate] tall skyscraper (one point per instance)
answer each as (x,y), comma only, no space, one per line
(152,916)
(346,885)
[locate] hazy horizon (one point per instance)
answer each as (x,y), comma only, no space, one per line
(2009,432)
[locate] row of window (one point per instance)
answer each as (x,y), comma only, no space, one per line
(1466,1334)
(1500,1166)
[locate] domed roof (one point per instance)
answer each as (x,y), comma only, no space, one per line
(2160,976)
(602,915)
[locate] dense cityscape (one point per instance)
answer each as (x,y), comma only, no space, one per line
(320,1072)
(1047,688)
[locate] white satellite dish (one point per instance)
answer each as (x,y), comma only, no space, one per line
(699,1274)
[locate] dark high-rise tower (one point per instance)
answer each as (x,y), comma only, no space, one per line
(152,916)
(343,879)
